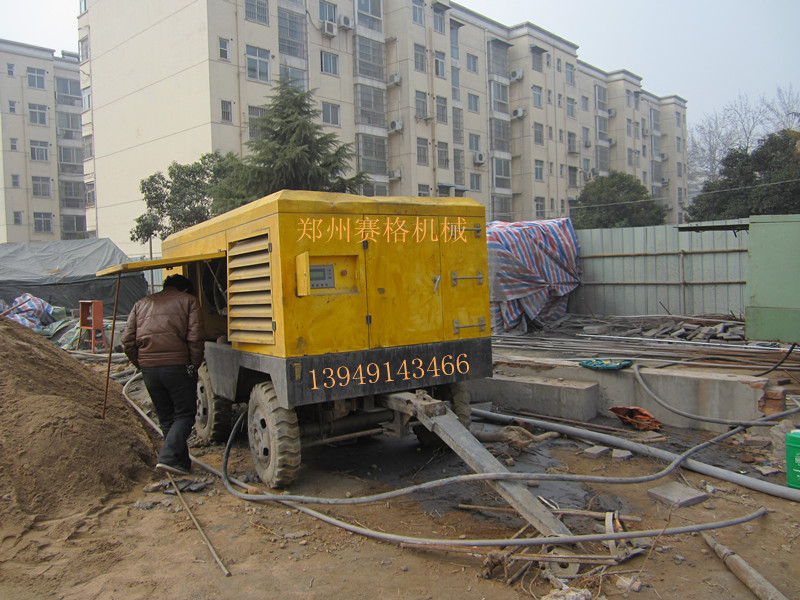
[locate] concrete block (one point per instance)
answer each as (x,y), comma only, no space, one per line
(677,494)
(555,397)
(596,451)
(621,455)
(596,329)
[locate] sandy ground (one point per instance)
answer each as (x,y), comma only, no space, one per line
(85,531)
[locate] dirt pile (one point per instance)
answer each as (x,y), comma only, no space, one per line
(59,456)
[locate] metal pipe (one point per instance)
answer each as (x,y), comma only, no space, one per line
(754,580)
(693,465)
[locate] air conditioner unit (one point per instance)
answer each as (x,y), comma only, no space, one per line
(587,143)
(593,172)
(396,126)
(395,174)
(665,181)
(479,158)
(645,132)
(587,176)
(329,29)
(664,156)
(517,74)
(518,113)
(612,141)
(345,21)
(394,79)
(612,112)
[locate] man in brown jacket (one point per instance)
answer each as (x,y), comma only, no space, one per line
(164,338)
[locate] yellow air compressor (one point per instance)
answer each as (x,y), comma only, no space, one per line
(316,305)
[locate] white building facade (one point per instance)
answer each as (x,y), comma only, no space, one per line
(436,99)
(41,162)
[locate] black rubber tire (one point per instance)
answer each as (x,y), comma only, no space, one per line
(212,421)
(274,437)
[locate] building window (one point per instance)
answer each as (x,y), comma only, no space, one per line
(655,119)
(602,128)
(372,189)
(40,150)
(502,173)
(70,160)
(500,135)
(586,136)
(570,73)
(253,114)
(418,12)
(86,98)
(10,69)
(291,34)
(36,78)
(331,114)
(83,49)
(538,203)
(628,98)
(536,55)
(679,169)
(538,134)
(572,142)
(256,10)
(550,132)
(454,27)
(224,48)
(41,186)
(537,96)
(629,127)
(497,60)
(421,105)
(369,14)
(455,78)
(472,103)
(327,11)
(42,222)
(584,102)
(499,97)
(15,181)
(371,153)
(438,21)
(420,62)
(572,107)
(12,107)
(458,126)
(547,60)
(678,119)
(560,100)
(370,58)
(72,226)
(329,63)
(678,144)
(68,91)
(442,155)
(69,125)
(558,65)
(475,182)
(257,63)
(602,159)
(88,146)
(472,63)
(226,107)
(630,157)
(573,177)
(72,194)
(90,195)
(538,170)
(17,217)
(549,96)
(587,164)
(438,64)
(601,97)
(474,142)
(441,109)
(422,151)
(458,167)
(501,208)
(423,190)
(370,105)
(296,77)
(13,144)
(37,114)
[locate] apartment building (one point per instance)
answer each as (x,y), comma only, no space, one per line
(435,98)
(41,160)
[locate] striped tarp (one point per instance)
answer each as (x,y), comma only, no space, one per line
(533,265)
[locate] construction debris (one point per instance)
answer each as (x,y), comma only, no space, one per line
(676,494)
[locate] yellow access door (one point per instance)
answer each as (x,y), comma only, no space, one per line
(404,281)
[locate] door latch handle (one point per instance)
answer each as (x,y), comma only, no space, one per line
(436,280)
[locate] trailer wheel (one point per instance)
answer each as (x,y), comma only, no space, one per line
(212,421)
(274,437)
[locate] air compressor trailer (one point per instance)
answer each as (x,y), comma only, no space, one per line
(318,307)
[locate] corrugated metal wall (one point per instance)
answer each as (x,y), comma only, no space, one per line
(661,270)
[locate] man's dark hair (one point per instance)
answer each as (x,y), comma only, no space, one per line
(179,282)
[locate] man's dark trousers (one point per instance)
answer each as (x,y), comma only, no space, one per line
(173,391)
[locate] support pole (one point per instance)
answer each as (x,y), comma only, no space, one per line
(111,343)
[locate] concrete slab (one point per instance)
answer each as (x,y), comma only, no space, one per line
(618,455)
(677,494)
(555,397)
(596,451)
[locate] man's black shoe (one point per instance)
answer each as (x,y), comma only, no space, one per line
(173,469)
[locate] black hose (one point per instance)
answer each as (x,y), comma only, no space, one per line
(765,422)
(780,362)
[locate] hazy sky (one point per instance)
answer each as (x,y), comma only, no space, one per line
(706,51)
